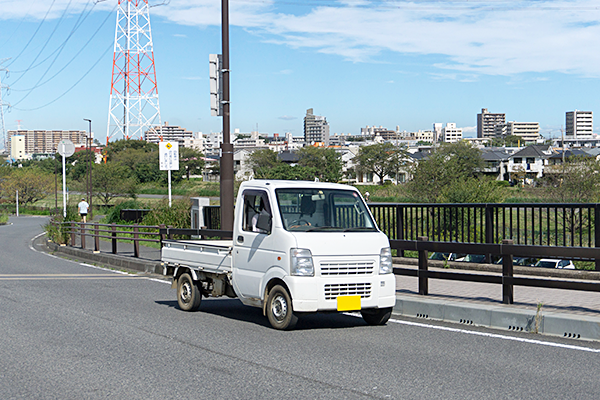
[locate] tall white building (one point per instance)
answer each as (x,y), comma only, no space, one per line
(451,134)
(316,129)
(167,133)
(579,123)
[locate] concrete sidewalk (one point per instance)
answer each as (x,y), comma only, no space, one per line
(565,313)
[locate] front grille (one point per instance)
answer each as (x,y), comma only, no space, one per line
(333,290)
(347,268)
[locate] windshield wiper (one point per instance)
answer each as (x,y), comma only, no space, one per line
(360,229)
(324,228)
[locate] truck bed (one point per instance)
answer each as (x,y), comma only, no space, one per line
(206,255)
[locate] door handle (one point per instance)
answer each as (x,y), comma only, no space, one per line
(240,239)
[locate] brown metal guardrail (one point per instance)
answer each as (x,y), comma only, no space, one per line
(507,249)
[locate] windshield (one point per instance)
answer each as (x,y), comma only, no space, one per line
(321,210)
(546,264)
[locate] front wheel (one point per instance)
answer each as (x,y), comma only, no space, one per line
(378,316)
(188,294)
(279,309)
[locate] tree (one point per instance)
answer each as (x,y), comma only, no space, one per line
(33,184)
(382,159)
(112,180)
(451,163)
(578,181)
(326,162)
(262,160)
(287,172)
(191,161)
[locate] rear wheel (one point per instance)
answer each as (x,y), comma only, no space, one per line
(279,309)
(378,316)
(188,294)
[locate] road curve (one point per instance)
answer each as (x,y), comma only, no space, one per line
(70,330)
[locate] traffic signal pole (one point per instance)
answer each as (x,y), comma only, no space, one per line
(226,164)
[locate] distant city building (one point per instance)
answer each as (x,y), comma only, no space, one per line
(316,129)
(487,121)
(437,131)
(384,133)
(528,131)
(451,134)
(46,142)
(196,142)
(17,147)
(167,133)
(579,123)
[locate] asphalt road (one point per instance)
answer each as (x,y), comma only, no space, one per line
(71,331)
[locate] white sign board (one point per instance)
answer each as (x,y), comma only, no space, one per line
(168,156)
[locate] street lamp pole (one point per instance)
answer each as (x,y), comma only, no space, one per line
(89,174)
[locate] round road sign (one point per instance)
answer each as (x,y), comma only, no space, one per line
(66,148)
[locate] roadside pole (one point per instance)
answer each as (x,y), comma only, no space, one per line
(66,148)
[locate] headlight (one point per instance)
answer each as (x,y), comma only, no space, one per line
(302,263)
(385,261)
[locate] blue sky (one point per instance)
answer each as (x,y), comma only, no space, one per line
(357,62)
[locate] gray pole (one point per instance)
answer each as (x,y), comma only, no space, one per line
(226,147)
(89,177)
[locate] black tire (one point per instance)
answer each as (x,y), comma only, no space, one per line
(188,294)
(279,309)
(377,316)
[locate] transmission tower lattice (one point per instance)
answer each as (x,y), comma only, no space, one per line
(133,106)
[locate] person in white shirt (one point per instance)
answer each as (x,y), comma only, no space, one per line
(83,209)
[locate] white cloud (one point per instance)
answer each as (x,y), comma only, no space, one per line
(466,39)
(287,117)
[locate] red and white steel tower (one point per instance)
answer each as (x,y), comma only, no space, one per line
(133,106)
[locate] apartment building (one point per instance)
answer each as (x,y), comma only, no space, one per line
(487,121)
(579,124)
(167,133)
(451,134)
(316,129)
(46,142)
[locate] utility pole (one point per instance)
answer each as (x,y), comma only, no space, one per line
(89,174)
(226,164)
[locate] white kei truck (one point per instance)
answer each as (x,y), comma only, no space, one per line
(297,247)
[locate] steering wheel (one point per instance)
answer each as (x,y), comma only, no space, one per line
(298,223)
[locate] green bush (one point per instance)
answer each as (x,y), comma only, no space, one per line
(177,216)
(3,219)
(114,214)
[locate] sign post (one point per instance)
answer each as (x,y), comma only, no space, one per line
(66,148)
(168,158)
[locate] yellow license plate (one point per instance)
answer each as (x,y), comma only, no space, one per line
(348,303)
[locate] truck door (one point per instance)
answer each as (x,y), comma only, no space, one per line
(254,247)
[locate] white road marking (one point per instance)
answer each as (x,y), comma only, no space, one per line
(496,336)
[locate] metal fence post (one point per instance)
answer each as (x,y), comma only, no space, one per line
(400,226)
(114,238)
(136,243)
(73,234)
(82,236)
(507,274)
(162,235)
(96,237)
(489,229)
(597,231)
(169,234)
(423,283)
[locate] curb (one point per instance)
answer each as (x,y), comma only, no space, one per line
(500,317)
(149,267)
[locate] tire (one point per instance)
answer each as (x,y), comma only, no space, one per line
(279,309)
(378,316)
(188,294)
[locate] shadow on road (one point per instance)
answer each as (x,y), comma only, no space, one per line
(234,309)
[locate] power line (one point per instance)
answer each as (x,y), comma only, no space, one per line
(34,33)
(69,89)
(47,40)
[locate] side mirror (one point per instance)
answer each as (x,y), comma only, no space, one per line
(264,221)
